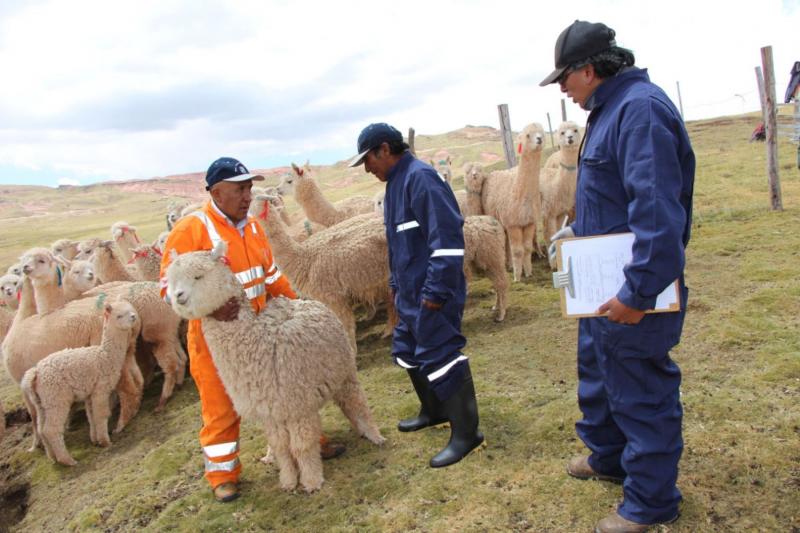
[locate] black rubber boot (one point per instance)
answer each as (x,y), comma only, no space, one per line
(462,410)
(430,411)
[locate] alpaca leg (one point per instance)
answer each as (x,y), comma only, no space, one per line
(35,418)
(515,241)
(278,437)
(304,446)
(499,278)
(100,413)
(353,402)
(130,389)
(528,242)
(87,406)
(391,318)
(167,358)
(53,435)
(345,315)
(182,359)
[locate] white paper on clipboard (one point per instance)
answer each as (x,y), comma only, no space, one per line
(590,273)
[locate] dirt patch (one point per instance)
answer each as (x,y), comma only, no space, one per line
(14,494)
(17,417)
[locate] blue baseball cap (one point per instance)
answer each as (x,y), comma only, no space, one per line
(373,136)
(228,169)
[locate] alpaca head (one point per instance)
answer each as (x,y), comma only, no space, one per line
(377,202)
(81,275)
(122,231)
(444,168)
(569,135)
(40,264)
(103,253)
(86,248)
(296,180)
(15,269)
(174,213)
(10,284)
(199,283)
(161,241)
(120,314)
(531,139)
(474,176)
(145,252)
(64,248)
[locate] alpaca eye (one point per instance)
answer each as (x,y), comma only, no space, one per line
(198,277)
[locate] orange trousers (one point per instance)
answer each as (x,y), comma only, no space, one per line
(219,436)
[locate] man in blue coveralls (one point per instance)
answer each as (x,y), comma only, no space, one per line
(636,174)
(424,231)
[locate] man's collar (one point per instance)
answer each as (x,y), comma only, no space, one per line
(610,85)
(242,223)
(401,164)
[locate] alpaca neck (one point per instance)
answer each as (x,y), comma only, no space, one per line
(317,208)
(71,292)
(474,205)
(27,302)
(109,268)
(48,294)
(569,155)
(527,182)
(286,250)
(115,346)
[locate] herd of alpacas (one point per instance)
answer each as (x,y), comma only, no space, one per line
(80,321)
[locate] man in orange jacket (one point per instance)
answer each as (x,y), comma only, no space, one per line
(224,218)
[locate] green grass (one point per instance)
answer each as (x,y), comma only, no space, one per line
(740,357)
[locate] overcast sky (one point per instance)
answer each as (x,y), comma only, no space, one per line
(97,90)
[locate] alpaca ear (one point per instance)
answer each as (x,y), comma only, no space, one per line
(219,250)
(66,263)
(107,311)
(297,170)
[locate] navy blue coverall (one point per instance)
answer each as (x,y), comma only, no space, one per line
(636,175)
(424,231)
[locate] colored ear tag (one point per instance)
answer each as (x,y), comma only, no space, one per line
(264,211)
(519,148)
(225,260)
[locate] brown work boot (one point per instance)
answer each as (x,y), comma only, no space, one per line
(614,523)
(331,450)
(578,467)
(226,492)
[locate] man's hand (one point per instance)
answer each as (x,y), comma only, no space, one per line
(617,311)
(433,306)
(229,311)
(564,233)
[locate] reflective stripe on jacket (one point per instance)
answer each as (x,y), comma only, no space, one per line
(249,253)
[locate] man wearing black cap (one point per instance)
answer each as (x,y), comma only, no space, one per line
(426,259)
(224,218)
(636,174)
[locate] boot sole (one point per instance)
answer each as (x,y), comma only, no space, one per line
(599,477)
(440,425)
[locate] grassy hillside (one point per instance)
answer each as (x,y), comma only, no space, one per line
(740,358)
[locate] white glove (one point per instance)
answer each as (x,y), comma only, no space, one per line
(564,233)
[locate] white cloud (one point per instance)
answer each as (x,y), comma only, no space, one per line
(154,87)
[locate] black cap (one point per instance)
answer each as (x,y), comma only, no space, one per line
(579,41)
(228,169)
(373,136)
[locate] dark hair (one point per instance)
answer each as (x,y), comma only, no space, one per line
(395,147)
(610,62)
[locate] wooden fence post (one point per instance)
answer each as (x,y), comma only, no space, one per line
(563,110)
(505,131)
(771,126)
(761,97)
(680,100)
(550,127)
(411,142)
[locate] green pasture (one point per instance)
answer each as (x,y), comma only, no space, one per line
(740,357)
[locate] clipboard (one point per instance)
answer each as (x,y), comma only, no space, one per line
(589,273)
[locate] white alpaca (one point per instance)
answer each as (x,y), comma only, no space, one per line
(306,191)
(78,278)
(512,196)
(147,260)
(279,367)
(126,238)
(559,179)
(65,248)
(81,374)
